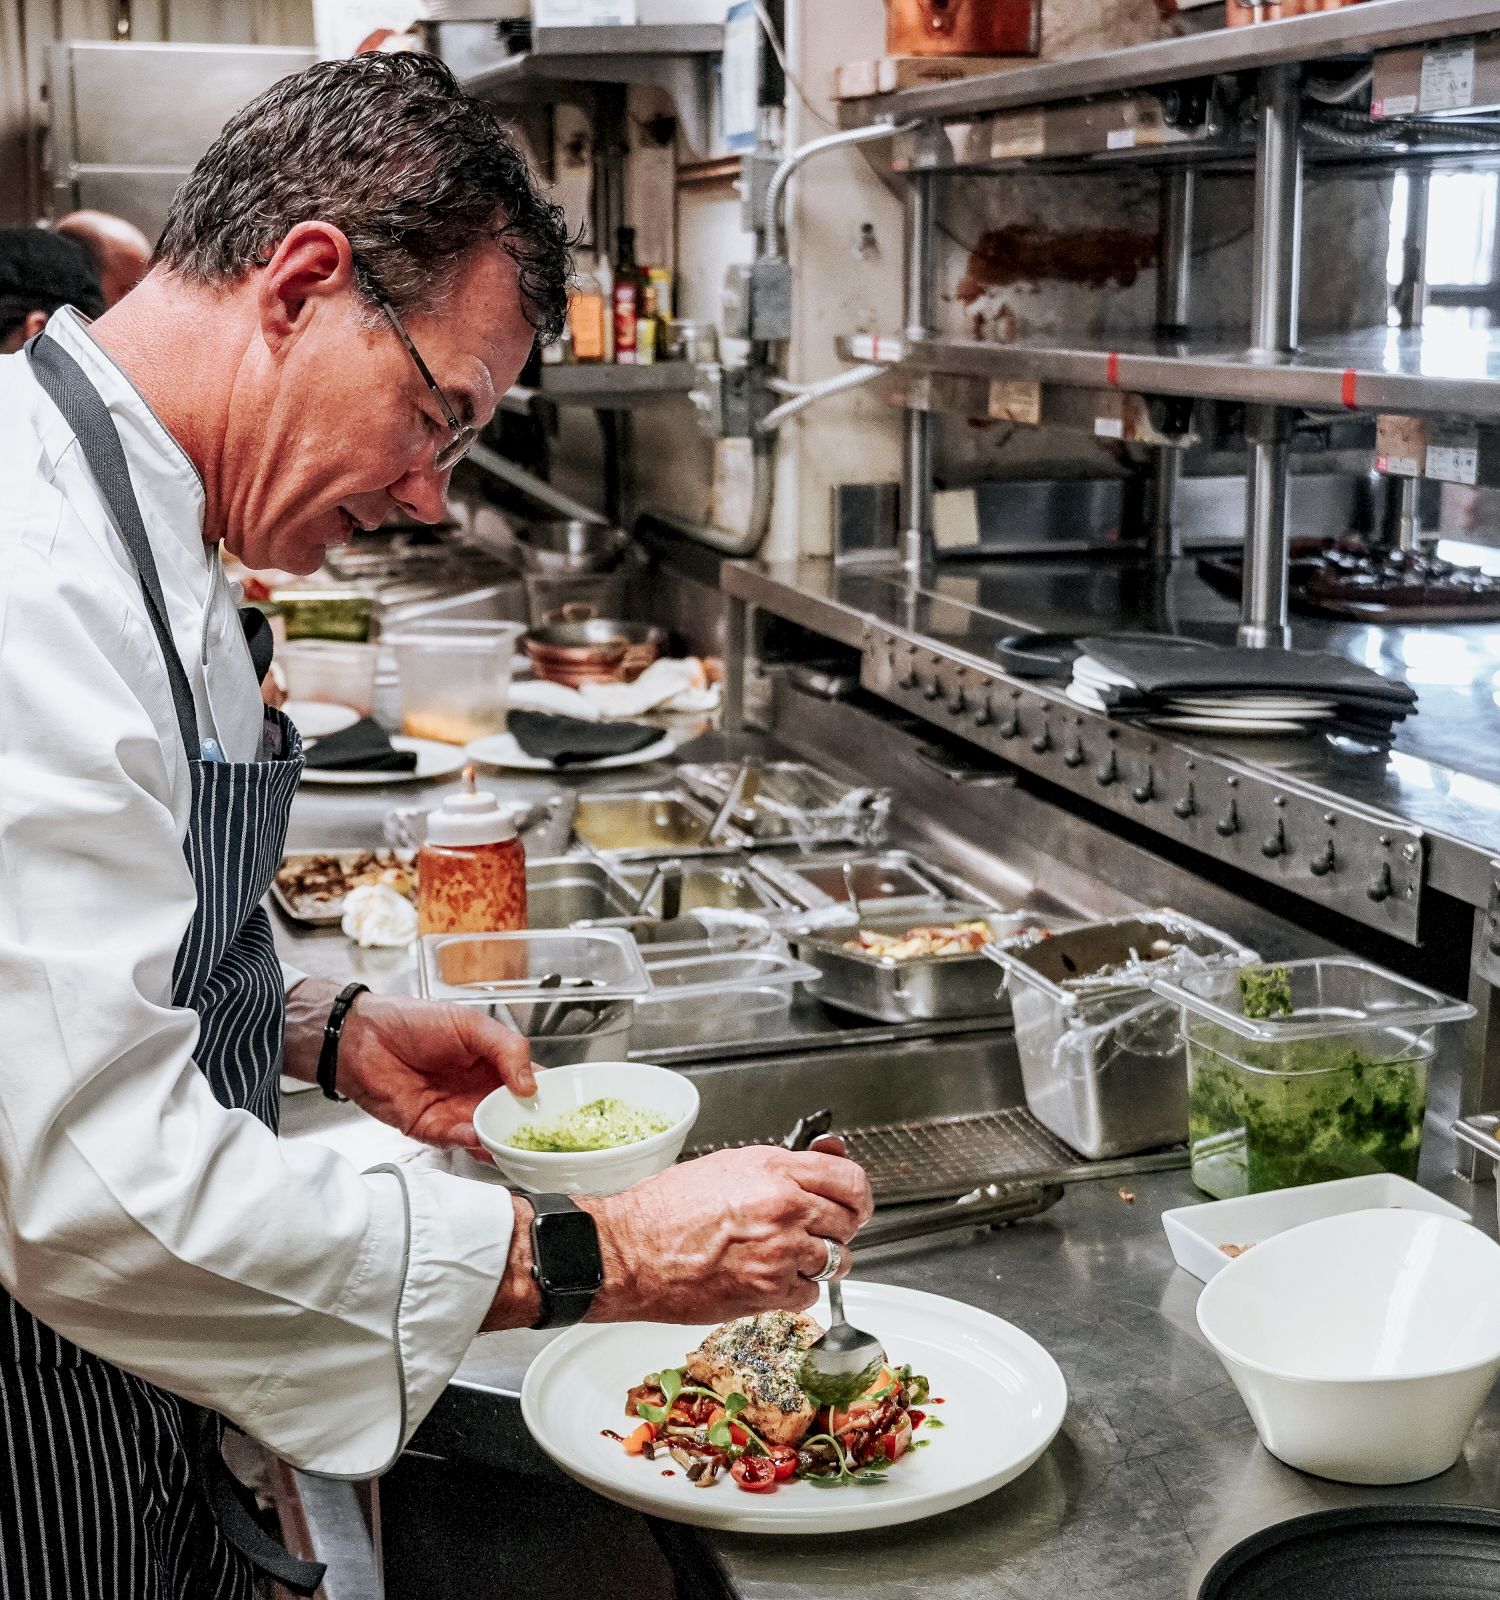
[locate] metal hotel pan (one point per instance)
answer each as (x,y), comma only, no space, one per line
(924,989)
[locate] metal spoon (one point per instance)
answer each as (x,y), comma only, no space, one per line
(842,1364)
(849,888)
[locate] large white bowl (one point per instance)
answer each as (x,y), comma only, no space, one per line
(1363,1345)
(563,1089)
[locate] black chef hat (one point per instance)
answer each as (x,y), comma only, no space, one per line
(40,271)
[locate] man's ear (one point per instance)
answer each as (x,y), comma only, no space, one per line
(312,265)
(33,325)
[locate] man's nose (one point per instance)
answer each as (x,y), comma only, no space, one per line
(422,493)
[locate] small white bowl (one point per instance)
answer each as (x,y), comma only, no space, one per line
(1363,1345)
(564,1089)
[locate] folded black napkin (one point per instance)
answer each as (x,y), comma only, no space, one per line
(566,740)
(1171,674)
(363,746)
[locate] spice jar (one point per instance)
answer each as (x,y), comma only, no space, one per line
(471,872)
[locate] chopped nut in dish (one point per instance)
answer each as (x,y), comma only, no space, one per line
(1235,1250)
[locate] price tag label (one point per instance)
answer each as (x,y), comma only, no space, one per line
(1447,77)
(1454,458)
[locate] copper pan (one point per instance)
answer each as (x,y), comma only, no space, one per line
(598,650)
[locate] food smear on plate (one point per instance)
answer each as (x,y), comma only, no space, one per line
(1235,1251)
(919,943)
(603,1124)
(735,1408)
(320,881)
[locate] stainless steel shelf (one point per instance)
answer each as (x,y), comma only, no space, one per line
(1361,31)
(608,386)
(570,63)
(1376,370)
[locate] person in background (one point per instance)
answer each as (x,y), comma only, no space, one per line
(39,271)
(119,250)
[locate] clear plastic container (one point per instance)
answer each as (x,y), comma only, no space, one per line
(324,670)
(1102,1058)
(455,677)
(1336,1089)
(594,964)
(716,999)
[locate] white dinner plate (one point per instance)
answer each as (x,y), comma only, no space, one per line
(501,750)
(1003,1397)
(1241,724)
(1250,706)
(316,719)
(434,760)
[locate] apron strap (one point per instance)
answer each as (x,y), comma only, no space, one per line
(85,412)
(259,639)
(233,1508)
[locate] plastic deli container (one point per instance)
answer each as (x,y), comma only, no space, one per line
(1102,1058)
(323,669)
(325,613)
(716,998)
(1335,1089)
(454,678)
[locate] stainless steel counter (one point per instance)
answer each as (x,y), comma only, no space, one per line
(1157,1469)
(1441,777)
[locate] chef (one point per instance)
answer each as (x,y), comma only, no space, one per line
(348,281)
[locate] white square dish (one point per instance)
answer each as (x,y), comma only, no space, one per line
(1196,1232)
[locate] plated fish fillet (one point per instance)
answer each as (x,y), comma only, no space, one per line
(760,1357)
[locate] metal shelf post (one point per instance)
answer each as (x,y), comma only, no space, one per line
(1411,307)
(1174,300)
(917,311)
(1275,295)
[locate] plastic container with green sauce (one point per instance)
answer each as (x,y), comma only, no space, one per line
(1305,1071)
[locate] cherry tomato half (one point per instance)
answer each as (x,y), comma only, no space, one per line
(784,1458)
(755,1474)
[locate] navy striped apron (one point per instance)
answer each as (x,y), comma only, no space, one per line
(111,1488)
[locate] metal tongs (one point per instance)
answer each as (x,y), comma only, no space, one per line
(668,878)
(736,792)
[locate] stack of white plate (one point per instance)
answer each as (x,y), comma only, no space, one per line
(1223,713)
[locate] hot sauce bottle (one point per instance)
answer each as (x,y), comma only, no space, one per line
(471,872)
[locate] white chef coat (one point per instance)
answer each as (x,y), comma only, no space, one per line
(321,1309)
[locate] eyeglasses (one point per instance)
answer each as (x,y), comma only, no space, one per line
(450,454)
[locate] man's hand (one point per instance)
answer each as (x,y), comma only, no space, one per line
(727,1235)
(419,1065)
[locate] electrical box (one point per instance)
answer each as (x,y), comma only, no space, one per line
(758,301)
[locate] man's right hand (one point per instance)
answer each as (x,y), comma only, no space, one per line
(727,1235)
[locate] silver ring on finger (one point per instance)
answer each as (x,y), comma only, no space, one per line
(832,1266)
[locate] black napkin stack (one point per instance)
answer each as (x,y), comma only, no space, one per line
(1364,702)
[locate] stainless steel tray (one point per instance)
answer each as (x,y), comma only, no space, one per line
(321,912)
(712,884)
(562,890)
(923,989)
(643,824)
(883,880)
(792,801)
(593,964)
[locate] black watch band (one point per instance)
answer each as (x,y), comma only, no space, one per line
(566,1263)
(333,1031)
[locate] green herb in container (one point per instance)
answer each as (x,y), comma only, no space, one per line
(1306,1071)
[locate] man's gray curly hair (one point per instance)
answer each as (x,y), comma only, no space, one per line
(390,149)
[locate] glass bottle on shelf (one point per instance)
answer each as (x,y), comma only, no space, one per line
(627,299)
(587,316)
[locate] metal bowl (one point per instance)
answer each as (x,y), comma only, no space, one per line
(600,650)
(569,544)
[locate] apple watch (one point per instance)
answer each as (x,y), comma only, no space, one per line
(565,1260)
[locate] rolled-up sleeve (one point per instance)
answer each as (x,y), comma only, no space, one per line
(319,1308)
